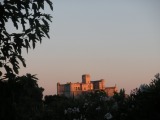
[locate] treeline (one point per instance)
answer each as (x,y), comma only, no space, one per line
(21,99)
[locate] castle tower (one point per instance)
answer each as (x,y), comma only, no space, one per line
(103,84)
(86,78)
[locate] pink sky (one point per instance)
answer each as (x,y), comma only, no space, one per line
(113,40)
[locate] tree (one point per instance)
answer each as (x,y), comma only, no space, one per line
(27,17)
(55,106)
(21,99)
(144,101)
(28,98)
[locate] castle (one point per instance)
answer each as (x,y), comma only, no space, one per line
(75,89)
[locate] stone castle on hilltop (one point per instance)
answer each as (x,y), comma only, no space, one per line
(75,89)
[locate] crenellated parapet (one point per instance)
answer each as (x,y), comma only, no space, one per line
(74,89)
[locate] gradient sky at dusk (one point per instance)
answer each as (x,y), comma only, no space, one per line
(117,40)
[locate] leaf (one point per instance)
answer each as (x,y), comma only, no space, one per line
(1,64)
(34,7)
(45,22)
(37,23)
(45,30)
(14,46)
(27,31)
(0,73)
(14,62)
(33,43)
(2,22)
(6,33)
(27,44)
(15,68)
(47,16)
(23,23)
(22,60)
(40,4)
(8,69)
(27,12)
(14,22)
(31,23)
(50,4)
(32,37)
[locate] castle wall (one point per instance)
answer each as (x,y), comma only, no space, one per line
(98,84)
(110,90)
(63,89)
(84,87)
(86,78)
(75,89)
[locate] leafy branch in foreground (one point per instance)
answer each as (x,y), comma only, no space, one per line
(29,18)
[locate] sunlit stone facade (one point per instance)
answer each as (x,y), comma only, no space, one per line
(75,89)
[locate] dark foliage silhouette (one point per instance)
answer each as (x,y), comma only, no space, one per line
(31,23)
(20,96)
(20,99)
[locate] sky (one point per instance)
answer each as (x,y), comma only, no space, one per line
(109,39)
